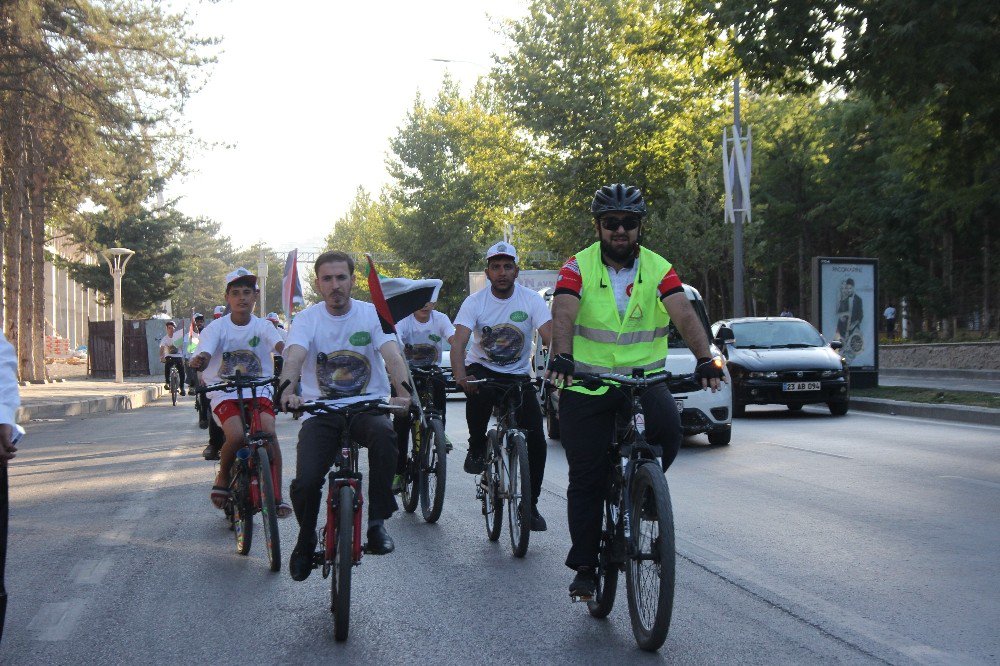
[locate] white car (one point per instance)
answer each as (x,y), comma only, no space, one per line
(701,410)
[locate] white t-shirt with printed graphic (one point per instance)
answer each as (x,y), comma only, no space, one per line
(425,340)
(342,352)
(502,329)
(172,344)
(245,348)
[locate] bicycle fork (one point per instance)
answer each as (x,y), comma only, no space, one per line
(337,481)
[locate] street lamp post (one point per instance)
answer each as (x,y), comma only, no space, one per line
(262,282)
(117,257)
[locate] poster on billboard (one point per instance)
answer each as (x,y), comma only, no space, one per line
(845,307)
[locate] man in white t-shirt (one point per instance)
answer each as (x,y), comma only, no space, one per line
(239,341)
(502,319)
(172,355)
(423,335)
(10,399)
(340,351)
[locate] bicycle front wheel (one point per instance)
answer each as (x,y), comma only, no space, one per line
(242,509)
(650,571)
(175,385)
(268,509)
(411,473)
(433,471)
(518,494)
(343,561)
(493,477)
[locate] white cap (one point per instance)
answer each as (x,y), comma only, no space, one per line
(219,311)
(501,249)
(272,316)
(239,273)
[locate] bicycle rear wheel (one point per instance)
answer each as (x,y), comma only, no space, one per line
(607,568)
(433,471)
(343,561)
(242,515)
(411,473)
(493,475)
(650,571)
(268,509)
(518,494)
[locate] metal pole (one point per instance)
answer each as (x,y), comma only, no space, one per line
(262,282)
(739,307)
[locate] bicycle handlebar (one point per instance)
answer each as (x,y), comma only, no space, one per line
(607,378)
(236,381)
(348,408)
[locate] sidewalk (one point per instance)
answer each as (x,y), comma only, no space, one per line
(987,381)
(75,397)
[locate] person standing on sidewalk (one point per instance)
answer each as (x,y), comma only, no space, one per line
(171,354)
(890,321)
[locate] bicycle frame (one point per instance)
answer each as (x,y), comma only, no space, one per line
(346,474)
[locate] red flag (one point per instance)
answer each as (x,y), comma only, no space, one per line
(378,299)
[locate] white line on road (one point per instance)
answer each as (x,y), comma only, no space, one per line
(91,572)
(799,448)
(56,621)
(980,482)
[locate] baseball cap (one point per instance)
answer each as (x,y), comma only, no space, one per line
(272,316)
(238,274)
(219,310)
(198,315)
(501,249)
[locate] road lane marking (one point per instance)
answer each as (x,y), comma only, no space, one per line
(799,448)
(980,482)
(91,572)
(56,621)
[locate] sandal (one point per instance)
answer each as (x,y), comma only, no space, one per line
(220,495)
(283,509)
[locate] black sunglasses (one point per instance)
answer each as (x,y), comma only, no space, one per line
(612,223)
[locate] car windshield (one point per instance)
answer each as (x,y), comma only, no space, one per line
(776,335)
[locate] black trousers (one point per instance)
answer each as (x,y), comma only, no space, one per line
(479,409)
(318,447)
(173,362)
(587,425)
(401,423)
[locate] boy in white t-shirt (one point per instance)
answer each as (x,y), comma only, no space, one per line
(171,354)
(423,335)
(239,341)
(502,317)
(340,351)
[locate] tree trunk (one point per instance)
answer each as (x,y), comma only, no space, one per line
(25,288)
(13,195)
(37,210)
(987,284)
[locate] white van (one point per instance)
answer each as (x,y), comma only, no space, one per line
(701,410)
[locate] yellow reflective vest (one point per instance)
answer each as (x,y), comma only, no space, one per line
(603,341)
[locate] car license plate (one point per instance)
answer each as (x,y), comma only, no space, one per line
(800,386)
(680,405)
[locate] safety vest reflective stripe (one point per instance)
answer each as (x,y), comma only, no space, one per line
(623,370)
(600,335)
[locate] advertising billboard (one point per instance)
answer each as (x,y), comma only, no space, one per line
(845,307)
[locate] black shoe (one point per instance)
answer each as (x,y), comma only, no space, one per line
(538,523)
(300,564)
(379,541)
(202,421)
(584,585)
(211,452)
(474,464)
(182,392)
(166,387)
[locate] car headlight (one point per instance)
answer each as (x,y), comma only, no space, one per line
(831,374)
(763,375)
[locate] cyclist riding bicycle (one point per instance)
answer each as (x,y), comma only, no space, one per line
(239,342)
(504,317)
(423,334)
(171,355)
(340,350)
(612,304)
(216,437)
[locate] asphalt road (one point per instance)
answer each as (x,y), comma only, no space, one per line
(811,539)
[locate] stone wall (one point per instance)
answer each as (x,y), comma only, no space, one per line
(967,355)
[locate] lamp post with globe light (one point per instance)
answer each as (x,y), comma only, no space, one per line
(117,257)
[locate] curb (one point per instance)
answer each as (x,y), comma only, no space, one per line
(941,373)
(118,402)
(960,413)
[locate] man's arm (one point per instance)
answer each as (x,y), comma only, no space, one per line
(458,344)
(565,308)
(9,398)
(545,331)
(691,329)
(396,367)
(295,357)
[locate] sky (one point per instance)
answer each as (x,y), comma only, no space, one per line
(307,95)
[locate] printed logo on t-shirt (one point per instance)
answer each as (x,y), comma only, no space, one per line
(342,374)
(360,339)
(434,337)
(243,361)
(171,349)
(421,354)
(503,343)
(518,315)
(254,341)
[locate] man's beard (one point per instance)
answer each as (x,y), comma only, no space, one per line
(616,255)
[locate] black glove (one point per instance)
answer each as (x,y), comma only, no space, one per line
(710,368)
(562,364)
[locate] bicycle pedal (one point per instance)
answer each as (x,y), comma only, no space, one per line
(579,598)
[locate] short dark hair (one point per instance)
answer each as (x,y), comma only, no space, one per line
(245,281)
(849,281)
(331,256)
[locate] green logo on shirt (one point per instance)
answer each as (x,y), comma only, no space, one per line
(254,341)
(360,339)
(518,316)
(435,338)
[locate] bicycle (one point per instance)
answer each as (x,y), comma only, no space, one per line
(175,384)
(340,549)
(638,534)
(252,478)
(427,465)
(506,476)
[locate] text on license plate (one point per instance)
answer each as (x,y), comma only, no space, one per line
(800,386)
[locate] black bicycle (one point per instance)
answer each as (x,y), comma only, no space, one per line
(174,382)
(426,471)
(507,477)
(339,544)
(638,534)
(252,477)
